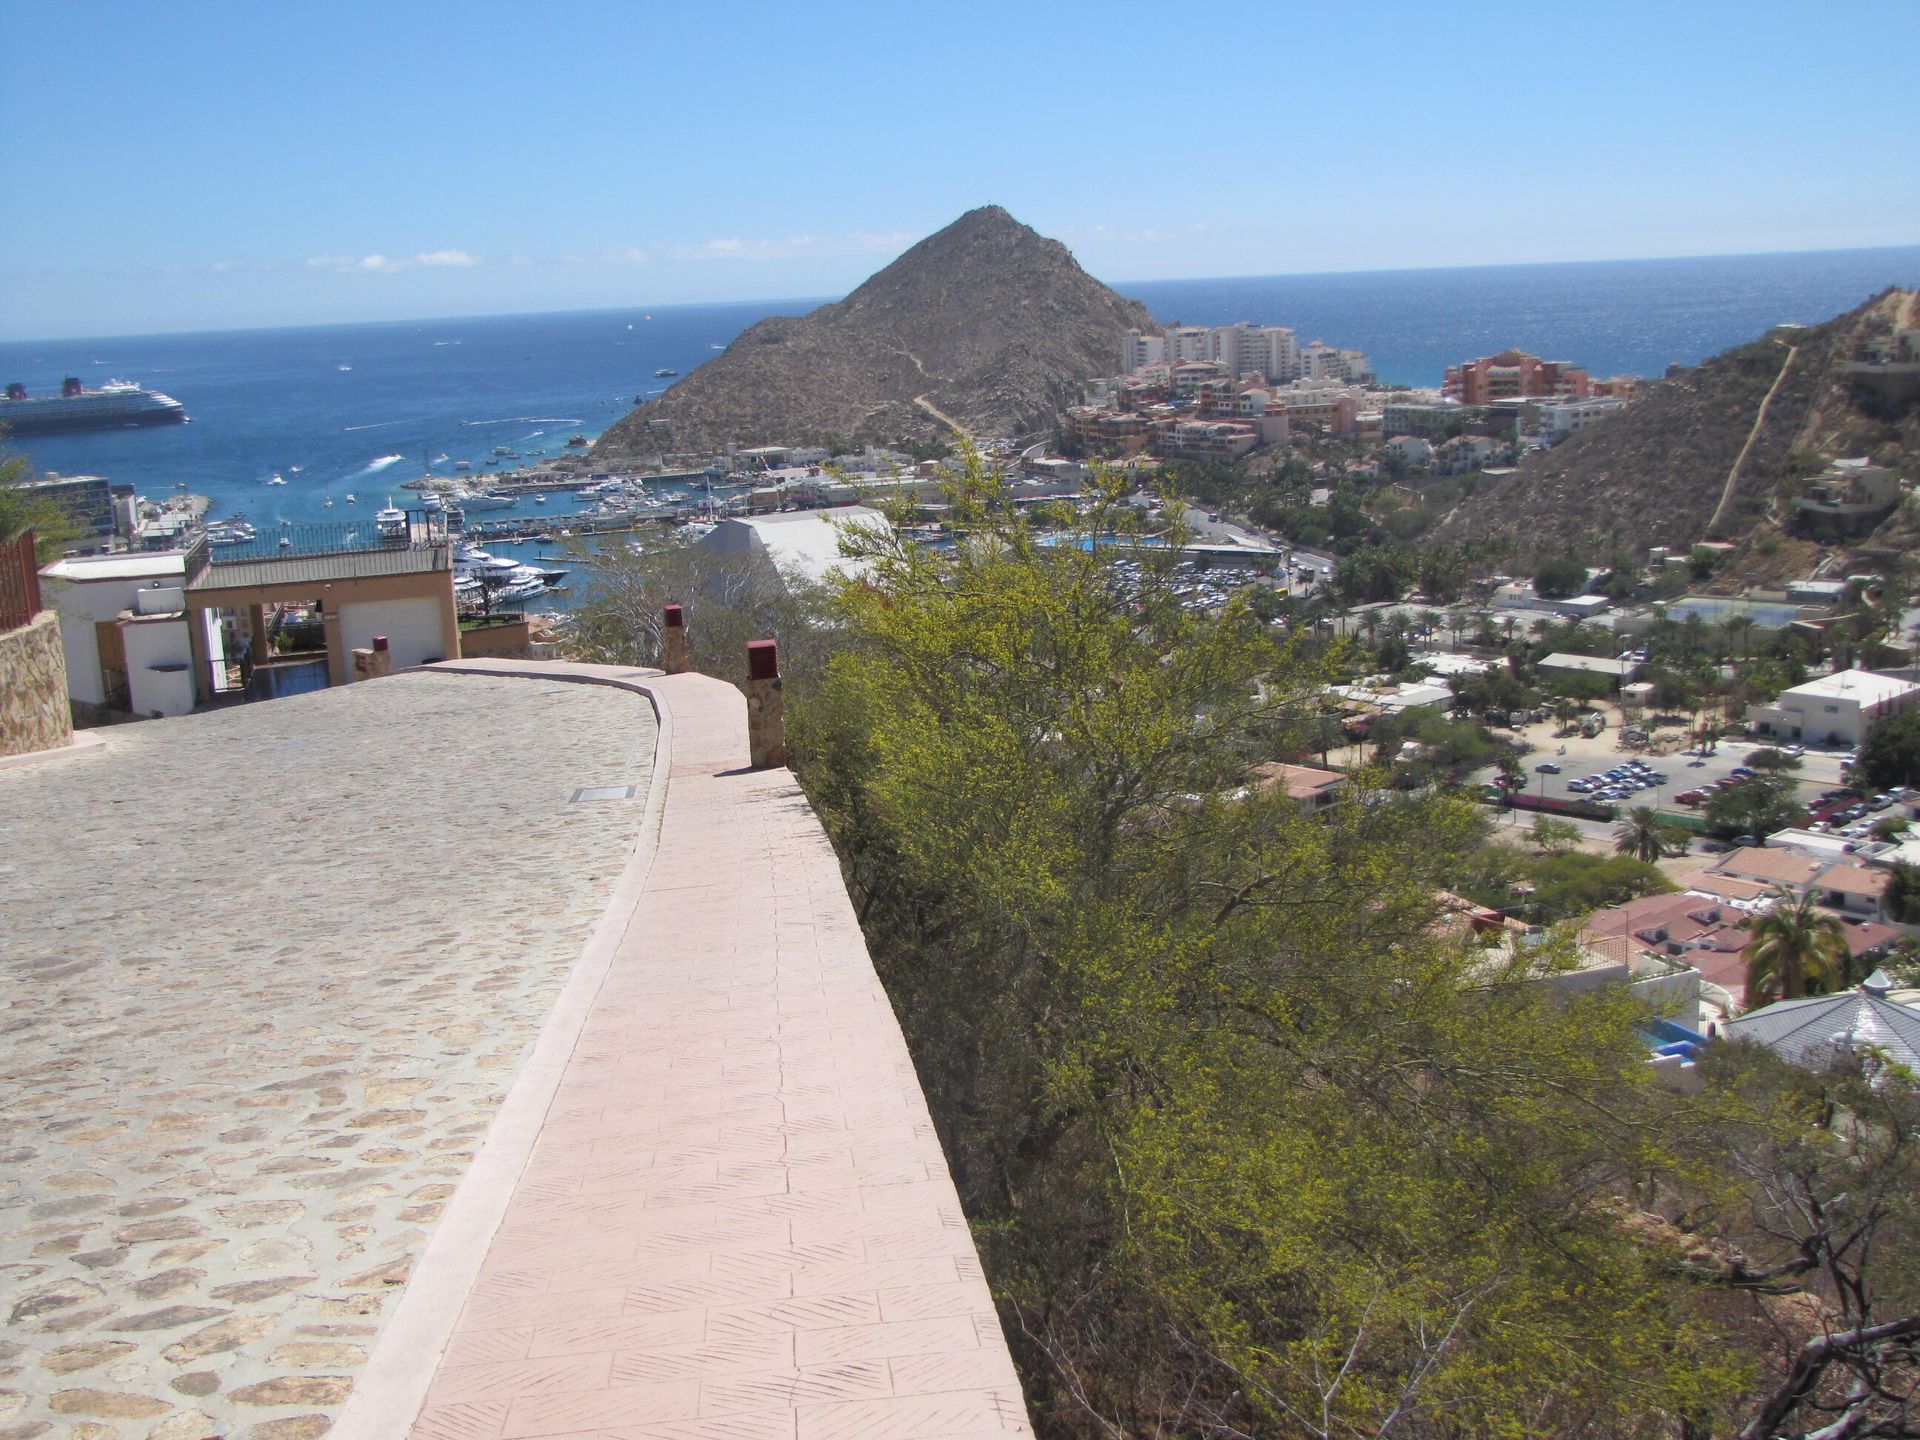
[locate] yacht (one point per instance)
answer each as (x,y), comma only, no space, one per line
(390,523)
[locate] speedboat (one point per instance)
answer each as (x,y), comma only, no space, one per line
(278,479)
(665,374)
(349,497)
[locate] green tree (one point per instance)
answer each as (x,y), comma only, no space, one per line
(1218,1180)
(1560,577)
(1903,893)
(22,509)
(1797,949)
(1556,837)
(1642,834)
(1890,755)
(1758,807)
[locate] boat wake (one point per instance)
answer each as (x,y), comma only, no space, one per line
(377,425)
(380,463)
(526,420)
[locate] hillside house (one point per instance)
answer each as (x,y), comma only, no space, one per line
(1849,498)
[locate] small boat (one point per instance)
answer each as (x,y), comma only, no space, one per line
(327,503)
(439,460)
(349,497)
(285,542)
(539,499)
(295,469)
(278,479)
(343,368)
(462,465)
(665,374)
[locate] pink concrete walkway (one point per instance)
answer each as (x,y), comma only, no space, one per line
(735,1220)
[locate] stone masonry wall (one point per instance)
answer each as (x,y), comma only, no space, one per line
(34,714)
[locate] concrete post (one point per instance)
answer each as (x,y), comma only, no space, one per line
(673,641)
(339,659)
(766,717)
(382,661)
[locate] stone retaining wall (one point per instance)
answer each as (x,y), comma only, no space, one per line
(34,714)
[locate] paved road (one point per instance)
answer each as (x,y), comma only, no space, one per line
(269,973)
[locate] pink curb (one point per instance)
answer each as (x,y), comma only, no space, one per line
(713,1203)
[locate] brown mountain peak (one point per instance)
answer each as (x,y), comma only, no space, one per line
(985,320)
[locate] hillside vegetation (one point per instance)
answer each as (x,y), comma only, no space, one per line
(1251,1145)
(986,324)
(1658,474)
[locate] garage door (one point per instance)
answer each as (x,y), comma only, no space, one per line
(412,628)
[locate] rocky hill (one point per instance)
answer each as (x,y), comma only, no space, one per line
(986,324)
(1659,473)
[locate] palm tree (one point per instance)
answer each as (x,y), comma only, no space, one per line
(1797,949)
(1642,834)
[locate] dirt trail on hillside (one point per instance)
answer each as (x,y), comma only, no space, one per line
(1759,421)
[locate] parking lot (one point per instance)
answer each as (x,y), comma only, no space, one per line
(1577,758)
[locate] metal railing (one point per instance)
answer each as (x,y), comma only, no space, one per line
(423,530)
(19,582)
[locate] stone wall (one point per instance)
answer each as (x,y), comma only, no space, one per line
(494,641)
(33,688)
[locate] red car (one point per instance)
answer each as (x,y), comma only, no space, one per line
(1691,797)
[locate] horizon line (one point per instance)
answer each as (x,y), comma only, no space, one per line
(816,301)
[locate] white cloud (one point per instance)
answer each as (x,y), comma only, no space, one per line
(793,247)
(378,264)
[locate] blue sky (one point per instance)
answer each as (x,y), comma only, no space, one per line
(217,165)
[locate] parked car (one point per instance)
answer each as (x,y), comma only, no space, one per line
(1691,797)
(1579,787)
(1546,767)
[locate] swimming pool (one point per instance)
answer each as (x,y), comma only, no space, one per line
(1716,610)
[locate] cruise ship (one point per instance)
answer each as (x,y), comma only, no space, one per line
(115,404)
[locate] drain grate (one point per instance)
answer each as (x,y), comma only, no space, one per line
(603,792)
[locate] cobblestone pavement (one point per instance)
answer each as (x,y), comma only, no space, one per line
(265,975)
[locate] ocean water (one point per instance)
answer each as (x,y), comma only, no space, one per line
(358,408)
(355,409)
(1614,317)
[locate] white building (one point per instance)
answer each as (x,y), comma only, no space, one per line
(1269,351)
(1140,350)
(1838,709)
(123,625)
(1561,418)
(802,545)
(1412,449)
(1320,361)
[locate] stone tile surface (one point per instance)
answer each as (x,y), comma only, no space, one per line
(736,1220)
(268,973)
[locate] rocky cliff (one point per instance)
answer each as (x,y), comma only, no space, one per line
(986,324)
(1663,472)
